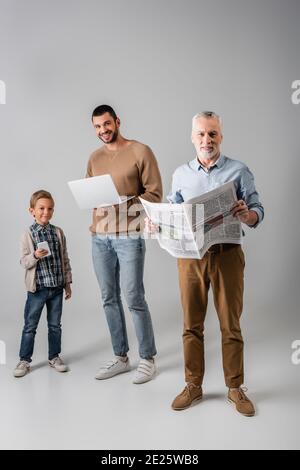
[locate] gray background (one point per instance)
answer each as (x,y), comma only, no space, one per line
(157,63)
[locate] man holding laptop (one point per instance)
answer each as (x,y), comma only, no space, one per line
(118,248)
(97,192)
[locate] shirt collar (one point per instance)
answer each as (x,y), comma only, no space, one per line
(197,166)
(37,227)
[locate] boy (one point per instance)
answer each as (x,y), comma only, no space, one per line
(47,275)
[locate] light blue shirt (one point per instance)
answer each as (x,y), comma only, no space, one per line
(191,180)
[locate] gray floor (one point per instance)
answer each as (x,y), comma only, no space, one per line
(48,410)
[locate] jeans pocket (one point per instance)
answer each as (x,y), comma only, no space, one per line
(142,244)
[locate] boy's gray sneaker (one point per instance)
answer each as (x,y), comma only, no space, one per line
(112,368)
(21,369)
(58,364)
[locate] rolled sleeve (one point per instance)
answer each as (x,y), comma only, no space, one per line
(247,191)
(175,196)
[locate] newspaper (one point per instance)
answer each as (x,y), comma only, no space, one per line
(175,223)
(189,229)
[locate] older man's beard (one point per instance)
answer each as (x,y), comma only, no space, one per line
(207,155)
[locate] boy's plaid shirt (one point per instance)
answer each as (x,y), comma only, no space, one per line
(49,269)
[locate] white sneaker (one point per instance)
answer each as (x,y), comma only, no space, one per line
(58,364)
(146,371)
(22,368)
(112,368)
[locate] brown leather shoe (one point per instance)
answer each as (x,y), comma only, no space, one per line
(242,403)
(191,395)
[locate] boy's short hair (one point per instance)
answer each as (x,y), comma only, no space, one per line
(40,194)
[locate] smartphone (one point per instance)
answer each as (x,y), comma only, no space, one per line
(44,246)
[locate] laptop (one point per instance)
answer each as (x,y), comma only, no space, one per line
(97,191)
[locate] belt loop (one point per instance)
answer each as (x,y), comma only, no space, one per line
(221,247)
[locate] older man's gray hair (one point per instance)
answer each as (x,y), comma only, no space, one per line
(207,115)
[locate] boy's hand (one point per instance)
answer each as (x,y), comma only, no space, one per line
(68,292)
(40,253)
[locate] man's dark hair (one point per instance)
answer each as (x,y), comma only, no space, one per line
(104,108)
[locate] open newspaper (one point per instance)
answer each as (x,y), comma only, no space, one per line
(189,229)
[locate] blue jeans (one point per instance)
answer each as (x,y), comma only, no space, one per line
(121,260)
(53,299)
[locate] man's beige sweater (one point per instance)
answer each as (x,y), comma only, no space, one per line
(135,172)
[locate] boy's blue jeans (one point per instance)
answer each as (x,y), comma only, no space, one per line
(119,264)
(53,299)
